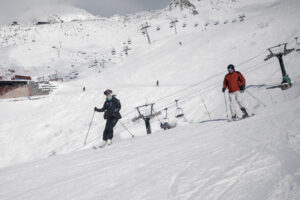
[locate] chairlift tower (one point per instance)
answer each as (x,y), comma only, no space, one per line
(126,49)
(113,51)
(146,112)
(102,63)
(281,52)
(144,29)
(173,24)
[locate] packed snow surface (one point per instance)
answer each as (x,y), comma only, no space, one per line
(205,157)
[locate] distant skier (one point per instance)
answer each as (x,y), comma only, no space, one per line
(83,89)
(111,109)
(157,83)
(235,82)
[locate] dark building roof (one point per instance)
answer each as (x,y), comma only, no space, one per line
(13,82)
(42,23)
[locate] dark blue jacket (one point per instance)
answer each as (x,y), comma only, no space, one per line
(111,108)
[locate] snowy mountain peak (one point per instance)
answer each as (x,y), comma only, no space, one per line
(183,4)
(199,6)
(56,13)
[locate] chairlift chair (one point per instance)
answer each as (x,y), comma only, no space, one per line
(164,124)
(166,119)
(179,111)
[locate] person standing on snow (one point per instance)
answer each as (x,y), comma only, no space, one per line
(111,109)
(235,82)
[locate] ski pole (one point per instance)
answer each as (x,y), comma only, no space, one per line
(255,98)
(89,129)
(205,106)
(226,105)
(126,129)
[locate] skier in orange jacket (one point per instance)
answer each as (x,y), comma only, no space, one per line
(235,82)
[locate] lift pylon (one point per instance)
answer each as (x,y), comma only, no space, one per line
(280,51)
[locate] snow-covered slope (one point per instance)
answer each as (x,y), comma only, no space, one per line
(208,160)
(250,159)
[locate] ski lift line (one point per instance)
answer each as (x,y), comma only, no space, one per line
(290,58)
(250,59)
(217,83)
(292,36)
(254,69)
(172,94)
(171,105)
(256,66)
(203,91)
(189,97)
(211,77)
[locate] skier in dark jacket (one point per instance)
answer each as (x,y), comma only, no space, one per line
(111,109)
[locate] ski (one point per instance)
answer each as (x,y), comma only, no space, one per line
(239,119)
(99,147)
(284,85)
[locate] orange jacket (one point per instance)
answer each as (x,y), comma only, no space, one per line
(234,81)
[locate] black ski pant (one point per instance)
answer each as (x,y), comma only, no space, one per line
(108,132)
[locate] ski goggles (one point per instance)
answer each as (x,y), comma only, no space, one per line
(107,92)
(230,69)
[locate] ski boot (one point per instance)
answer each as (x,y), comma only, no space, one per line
(109,142)
(234,118)
(245,114)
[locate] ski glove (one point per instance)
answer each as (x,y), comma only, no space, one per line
(223,89)
(242,88)
(95,109)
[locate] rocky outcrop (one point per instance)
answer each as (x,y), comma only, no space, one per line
(183,4)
